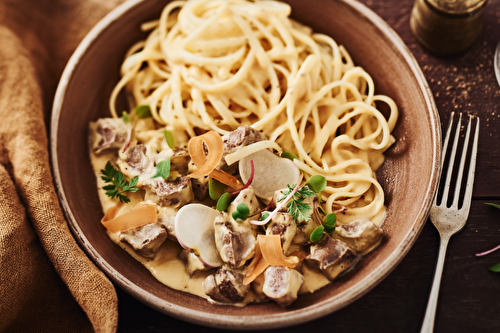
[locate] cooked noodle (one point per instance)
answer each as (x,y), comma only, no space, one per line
(217,64)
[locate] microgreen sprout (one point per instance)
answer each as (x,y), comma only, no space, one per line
(126,118)
(264,216)
(169,137)
(317,234)
(317,183)
(496,267)
(241,213)
(163,169)
(224,201)
(143,111)
(290,156)
(215,189)
(330,221)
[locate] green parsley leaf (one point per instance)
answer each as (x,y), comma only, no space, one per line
(118,184)
(300,210)
(169,137)
(163,169)
(126,118)
(143,111)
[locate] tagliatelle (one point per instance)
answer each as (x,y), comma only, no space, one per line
(213,65)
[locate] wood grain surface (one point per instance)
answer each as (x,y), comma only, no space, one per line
(469,299)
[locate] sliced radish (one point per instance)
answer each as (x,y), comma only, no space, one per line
(194,228)
(271,173)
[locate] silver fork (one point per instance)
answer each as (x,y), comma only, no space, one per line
(450,220)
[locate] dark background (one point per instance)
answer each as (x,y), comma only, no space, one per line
(469,298)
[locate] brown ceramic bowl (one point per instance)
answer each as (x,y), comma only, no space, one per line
(409,175)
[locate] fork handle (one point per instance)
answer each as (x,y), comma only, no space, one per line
(430,313)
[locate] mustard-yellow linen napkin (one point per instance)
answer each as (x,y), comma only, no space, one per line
(47,283)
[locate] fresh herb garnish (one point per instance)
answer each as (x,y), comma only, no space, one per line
(224,202)
(126,118)
(215,189)
(300,210)
(143,111)
(118,184)
(317,234)
(330,221)
(241,213)
(169,137)
(290,156)
(496,267)
(264,216)
(317,183)
(163,169)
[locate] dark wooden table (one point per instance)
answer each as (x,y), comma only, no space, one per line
(469,299)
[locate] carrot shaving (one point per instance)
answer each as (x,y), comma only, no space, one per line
(268,252)
(270,245)
(225,178)
(207,164)
(256,267)
(142,214)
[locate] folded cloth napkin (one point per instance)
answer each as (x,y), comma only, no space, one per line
(47,284)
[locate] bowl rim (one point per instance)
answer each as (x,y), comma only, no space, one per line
(280,320)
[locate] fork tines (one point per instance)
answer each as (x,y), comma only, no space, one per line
(455,172)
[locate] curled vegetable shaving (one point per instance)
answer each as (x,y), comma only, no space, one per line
(142,214)
(268,253)
(206,164)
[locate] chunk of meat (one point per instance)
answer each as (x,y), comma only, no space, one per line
(145,240)
(331,256)
(282,284)
(193,262)
(235,241)
(109,133)
(171,193)
(282,224)
(166,219)
(247,197)
(135,161)
(242,136)
(226,286)
(362,235)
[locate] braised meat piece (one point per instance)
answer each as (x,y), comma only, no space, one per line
(193,262)
(135,162)
(145,240)
(282,284)
(226,286)
(171,193)
(242,136)
(166,219)
(362,235)
(282,224)
(331,256)
(235,241)
(109,133)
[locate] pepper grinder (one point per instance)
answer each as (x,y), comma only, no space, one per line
(447,26)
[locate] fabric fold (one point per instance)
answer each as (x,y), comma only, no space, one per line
(47,283)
